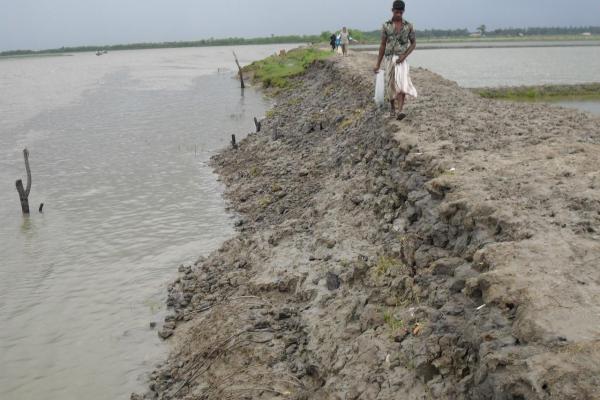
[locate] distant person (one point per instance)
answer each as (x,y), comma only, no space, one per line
(332,41)
(398,40)
(345,40)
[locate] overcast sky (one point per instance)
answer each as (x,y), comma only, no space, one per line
(39,24)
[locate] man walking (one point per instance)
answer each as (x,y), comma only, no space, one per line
(398,41)
(345,40)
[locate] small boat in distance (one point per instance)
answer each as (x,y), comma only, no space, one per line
(98,53)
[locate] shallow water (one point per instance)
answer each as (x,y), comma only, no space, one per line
(118,149)
(516,67)
(591,106)
(513,66)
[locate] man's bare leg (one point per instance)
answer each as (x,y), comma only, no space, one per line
(392,109)
(400,100)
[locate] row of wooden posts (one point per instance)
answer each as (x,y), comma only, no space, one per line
(25,190)
(257,123)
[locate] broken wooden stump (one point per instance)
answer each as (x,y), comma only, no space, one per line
(233,142)
(24,192)
(239,70)
(258,124)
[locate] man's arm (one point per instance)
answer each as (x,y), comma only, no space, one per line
(381,53)
(413,45)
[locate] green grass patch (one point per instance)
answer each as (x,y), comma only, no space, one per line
(255,171)
(265,201)
(386,264)
(350,120)
(392,322)
(276,70)
(589,91)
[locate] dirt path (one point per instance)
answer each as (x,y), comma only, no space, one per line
(453,255)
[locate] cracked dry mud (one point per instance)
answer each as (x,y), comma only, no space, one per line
(453,255)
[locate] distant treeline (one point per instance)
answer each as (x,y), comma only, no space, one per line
(164,45)
(373,36)
(361,36)
(595,30)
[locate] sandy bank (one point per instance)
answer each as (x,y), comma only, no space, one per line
(453,255)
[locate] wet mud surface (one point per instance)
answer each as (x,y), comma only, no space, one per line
(453,255)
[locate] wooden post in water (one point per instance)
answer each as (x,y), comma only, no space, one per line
(257,124)
(233,142)
(240,70)
(24,193)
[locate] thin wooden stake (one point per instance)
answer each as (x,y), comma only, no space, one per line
(233,143)
(240,70)
(24,193)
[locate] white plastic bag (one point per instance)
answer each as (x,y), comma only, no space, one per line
(379,87)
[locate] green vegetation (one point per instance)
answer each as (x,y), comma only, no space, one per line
(351,119)
(492,39)
(164,45)
(255,171)
(543,93)
(265,201)
(275,71)
(34,55)
(571,33)
(386,264)
(391,321)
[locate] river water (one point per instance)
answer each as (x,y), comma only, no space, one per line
(118,149)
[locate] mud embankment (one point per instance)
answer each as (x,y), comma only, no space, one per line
(452,255)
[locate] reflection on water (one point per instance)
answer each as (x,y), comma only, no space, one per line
(27,227)
(118,146)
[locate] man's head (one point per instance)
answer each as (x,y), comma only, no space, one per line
(398,9)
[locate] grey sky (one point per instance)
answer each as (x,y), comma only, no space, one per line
(37,24)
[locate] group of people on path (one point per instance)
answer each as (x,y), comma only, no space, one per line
(341,41)
(398,41)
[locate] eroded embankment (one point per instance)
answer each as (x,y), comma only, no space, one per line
(452,255)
